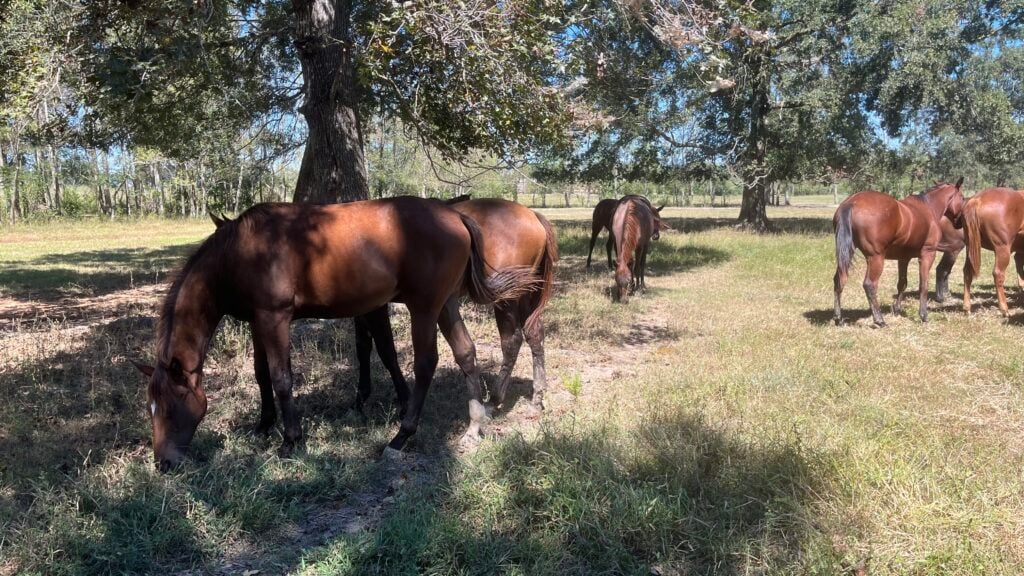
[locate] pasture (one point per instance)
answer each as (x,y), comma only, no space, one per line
(718,424)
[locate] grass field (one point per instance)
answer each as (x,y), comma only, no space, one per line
(718,424)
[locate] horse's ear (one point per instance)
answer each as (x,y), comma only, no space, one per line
(959,182)
(144,368)
(217,221)
(660,208)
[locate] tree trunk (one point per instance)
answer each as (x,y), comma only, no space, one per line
(333,165)
(3,186)
(754,212)
(238,189)
(16,186)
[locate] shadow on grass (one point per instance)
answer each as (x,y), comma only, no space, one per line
(97,272)
(673,496)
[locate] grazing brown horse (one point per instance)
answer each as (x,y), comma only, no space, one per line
(279,262)
(994,219)
(634,224)
(602,220)
(513,236)
(950,244)
(883,228)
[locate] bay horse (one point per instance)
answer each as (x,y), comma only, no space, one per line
(634,224)
(280,262)
(950,245)
(994,219)
(882,228)
(602,220)
(513,236)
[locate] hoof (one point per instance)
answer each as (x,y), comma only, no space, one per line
(262,429)
(878,324)
(286,449)
(535,409)
(392,455)
(469,441)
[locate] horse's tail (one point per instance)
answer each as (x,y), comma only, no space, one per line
(972,236)
(843,225)
(546,272)
(509,283)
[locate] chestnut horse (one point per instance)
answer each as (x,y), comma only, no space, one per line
(279,262)
(883,228)
(602,220)
(513,236)
(634,224)
(994,219)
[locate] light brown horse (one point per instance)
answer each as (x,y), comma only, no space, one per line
(602,220)
(883,228)
(279,262)
(634,225)
(513,236)
(994,219)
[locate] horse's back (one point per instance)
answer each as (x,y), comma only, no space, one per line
(513,235)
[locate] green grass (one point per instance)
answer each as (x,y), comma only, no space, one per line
(718,424)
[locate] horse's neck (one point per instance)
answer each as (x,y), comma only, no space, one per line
(937,202)
(195,317)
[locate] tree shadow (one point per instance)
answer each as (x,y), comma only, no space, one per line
(53,277)
(825,317)
(683,497)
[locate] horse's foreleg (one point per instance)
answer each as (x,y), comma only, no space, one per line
(876,264)
(924,274)
(643,267)
(364,346)
(511,341)
(423,326)
(378,322)
(942,272)
(901,285)
(608,247)
(1018,260)
(999,276)
(268,412)
(454,331)
(273,331)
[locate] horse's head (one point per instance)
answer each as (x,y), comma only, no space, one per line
(955,205)
(177,404)
(659,224)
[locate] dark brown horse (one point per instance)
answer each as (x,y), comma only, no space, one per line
(634,224)
(513,236)
(951,243)
(883,228)
(994,219)
(602,220)
(279,262)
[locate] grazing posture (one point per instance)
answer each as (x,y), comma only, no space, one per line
(279,262)
(602,219)
(994,219)
(950,244)
(634,224)
(883,228)
(513,236)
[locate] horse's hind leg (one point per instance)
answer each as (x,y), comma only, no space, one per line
(454,331)
(268,412)
(1018,260)
(535,339)
(901,285)
(272,330)
(364,346)
(608,246)
(378,322)
(511,341)
(924,274)
(968,280)
(838,283)
(876,264)
(595,230)
(999,276)
(942,272)
(423,326)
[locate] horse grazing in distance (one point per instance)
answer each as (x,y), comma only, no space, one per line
(994,219)
(634,224)
(513,236)
(602,220)
(950,244)
(883,228)
(279,262)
